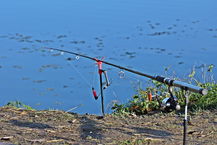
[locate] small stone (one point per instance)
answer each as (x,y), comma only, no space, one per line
(72,121)
(7,138)
(89,137)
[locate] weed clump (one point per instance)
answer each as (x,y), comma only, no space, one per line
(151,98)
(20,105)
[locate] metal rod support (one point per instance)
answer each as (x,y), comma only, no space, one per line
(185,122)
(101,91)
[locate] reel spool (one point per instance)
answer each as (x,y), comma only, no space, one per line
(170,103)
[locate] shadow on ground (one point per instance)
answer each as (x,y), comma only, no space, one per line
(154,133)
(29,124)
(90,129)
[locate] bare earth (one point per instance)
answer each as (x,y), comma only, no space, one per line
(26,127)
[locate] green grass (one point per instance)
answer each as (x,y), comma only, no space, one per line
(206,102)
(139,104)
(18,104)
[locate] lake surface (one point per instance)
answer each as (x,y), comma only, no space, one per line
(148,36)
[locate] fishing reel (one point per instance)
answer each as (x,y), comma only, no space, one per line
(170,103)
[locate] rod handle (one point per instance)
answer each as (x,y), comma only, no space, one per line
(182,85)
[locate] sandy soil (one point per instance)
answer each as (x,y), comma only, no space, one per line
(26,127)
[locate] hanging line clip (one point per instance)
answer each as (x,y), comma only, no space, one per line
(104,72)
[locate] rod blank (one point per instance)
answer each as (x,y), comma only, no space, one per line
(170,82)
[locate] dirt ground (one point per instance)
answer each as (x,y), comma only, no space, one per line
(27,127)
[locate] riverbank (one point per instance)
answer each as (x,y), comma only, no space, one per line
(19,126)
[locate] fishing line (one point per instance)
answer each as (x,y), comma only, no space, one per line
(122,75)
(74,108)
(136,82)
(114,92)
(82,77)
(94,75)
(76,70)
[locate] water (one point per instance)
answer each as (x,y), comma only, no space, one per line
(144,35)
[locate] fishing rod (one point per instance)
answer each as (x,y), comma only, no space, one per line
(169,103)
(165,80)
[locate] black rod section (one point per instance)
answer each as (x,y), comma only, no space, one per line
(170,82)
(101,91)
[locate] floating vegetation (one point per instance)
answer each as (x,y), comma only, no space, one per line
(44,41)
(100,44)
(25,48)
(50,89)
(65,86)
(181,62)
(56,54)
(3,36)
(78,42)
(130,54)
(162,33)
(127,37)
(48,66)
(17,67)
(212,29)
(3,57)
(25,78)
(39,81)
(70,58)
(178,56)
(61,36)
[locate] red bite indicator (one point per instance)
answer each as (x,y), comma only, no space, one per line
(94,94)
(149,96)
